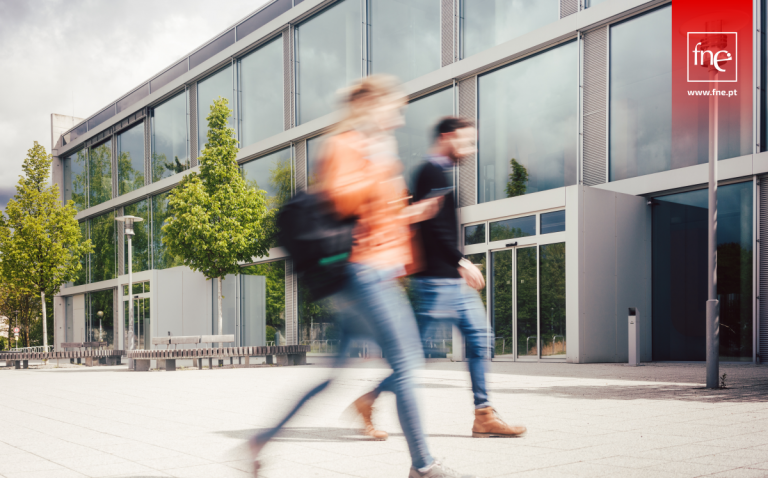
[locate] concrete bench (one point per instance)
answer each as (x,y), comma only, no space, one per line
(92,356)
(279,355)
(91,360)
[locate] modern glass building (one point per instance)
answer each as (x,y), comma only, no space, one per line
(577,205)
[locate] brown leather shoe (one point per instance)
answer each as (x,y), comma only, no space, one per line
(488,424)
(364,406)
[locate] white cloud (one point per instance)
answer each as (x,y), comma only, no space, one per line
(74,57)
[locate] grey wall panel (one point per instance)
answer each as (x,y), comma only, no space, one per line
(78,318)
(762,338)
(291,317)
(598,344)
(253,313)
(196,304)
(192,125)
(468,165)
(168,294)
(572,282)
(447,31)
(288,78)
(595,107)
(59,322)
(568,7)
(301,165)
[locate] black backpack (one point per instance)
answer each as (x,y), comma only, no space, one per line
(317,240)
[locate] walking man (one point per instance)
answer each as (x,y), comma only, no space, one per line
(442,288)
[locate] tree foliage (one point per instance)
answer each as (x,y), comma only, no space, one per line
(518,179)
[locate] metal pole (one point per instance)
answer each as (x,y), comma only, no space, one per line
(130,298)
(713,309)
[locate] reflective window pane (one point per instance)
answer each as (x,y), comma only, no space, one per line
(100,174)
(317,324)
(140,240)
(487,23)
(104,256)
(100,317)
(161,258)
(82,275)
(272,173)
(552,222)
(501,269)
(526,307)
(396,27)
(261,93)
(76,179)
(512,228)
(680,281)
(142,323)
(314,146)
(415,138)
(263,303)
(527,125)
(210,89)
(130,160)
(329,57)
(479,260)
(474,234)
(552,308)
(169,138)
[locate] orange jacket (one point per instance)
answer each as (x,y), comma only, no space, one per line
(375,192)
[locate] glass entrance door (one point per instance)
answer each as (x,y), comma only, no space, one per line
(528,301)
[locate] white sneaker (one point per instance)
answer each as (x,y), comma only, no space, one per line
(437,470)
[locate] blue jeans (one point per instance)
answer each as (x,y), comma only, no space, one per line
(451,301)
(372,305)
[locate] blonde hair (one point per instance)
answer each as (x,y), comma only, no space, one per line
(356,99)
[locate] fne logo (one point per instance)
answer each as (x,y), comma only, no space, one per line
(712,52)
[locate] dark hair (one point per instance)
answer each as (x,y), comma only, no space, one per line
(449,124)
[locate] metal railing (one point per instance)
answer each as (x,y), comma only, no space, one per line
(36,349)
(322,346)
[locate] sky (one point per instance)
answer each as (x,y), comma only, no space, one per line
(74,57)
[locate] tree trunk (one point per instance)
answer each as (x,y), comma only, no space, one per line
(218,298)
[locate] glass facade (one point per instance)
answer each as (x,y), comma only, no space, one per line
(329,57)
(552,300)
(272,173)
(142,323)
(552,222)
(314,145)
(261,93)
(317,324)
(262,303)
(161,258)
(512,228)
(210,89)
(100,317)
(501,313)
(528,125)
(680,274)
(76,179)
(474,234)
(103,263)
(526,311)
(82,274)
(100,174)
(396,26)
(169,138)
(487,23)
(140,240)
(479,260)
(130,160)
(415,138)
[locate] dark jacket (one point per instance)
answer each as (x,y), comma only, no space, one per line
(440,234)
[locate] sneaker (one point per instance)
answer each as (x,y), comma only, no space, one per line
(364,406)
(437,470)
(488,424)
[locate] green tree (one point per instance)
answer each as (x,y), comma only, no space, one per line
(20,306)
(216,220)
(40,242)
(518,179)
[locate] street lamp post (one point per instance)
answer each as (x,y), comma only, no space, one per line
(129,220)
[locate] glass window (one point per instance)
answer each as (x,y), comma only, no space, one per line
(100,319)
(130,160)
(527,125)
(142,323)
(100,173)
(161,258)
(313,158)
(317,324)
(217,85)
(527,312)
(415,138)
(103,258)
(329,57)
(512,228)
(262,303)
(272,173)
(501,311)
(169,138)
(680,281)
(76,179)
(474,234)
(140,240)
(552,306)
(397,26)
(487,23)
(82,275)
(553,222)
(479,260)
(641,96)
(261,93)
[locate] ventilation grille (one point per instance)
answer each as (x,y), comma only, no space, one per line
(301,165)
(568,7)
(287,79)
(120,243)
(762,341)
(467,176)
(291,320)
(446,31)
(595,107)
(192,100)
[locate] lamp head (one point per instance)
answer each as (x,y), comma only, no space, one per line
(129,220)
